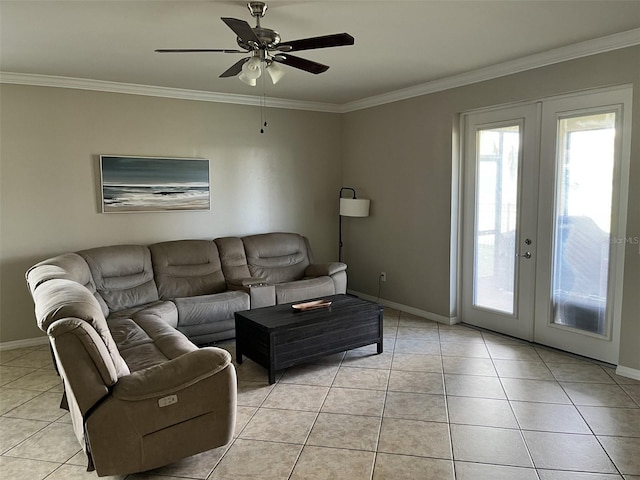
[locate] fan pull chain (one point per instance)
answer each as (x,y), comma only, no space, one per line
(263,105)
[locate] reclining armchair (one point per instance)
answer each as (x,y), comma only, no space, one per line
(140,395)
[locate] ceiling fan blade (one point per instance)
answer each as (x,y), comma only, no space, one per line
(234,69)
(242,29)
(197,50)
(301,63)
(335,40)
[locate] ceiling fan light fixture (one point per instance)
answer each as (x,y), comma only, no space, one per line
(264,46)
(276,72)
(251,68)
(249,81)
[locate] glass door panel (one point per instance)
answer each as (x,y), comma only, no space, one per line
(499,220)
(582,223)
(584,165)
(496,218)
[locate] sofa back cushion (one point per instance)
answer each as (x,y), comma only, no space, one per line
(123,275)
(278,257)
(69,266)
(187,268)
(59,299)
(233,258)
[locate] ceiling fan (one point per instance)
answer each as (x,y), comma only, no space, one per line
(266,47)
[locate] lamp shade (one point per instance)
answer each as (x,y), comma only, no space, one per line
(354,207)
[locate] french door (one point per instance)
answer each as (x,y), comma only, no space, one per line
(545,189)
(500,220)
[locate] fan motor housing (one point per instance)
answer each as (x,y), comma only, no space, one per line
(268,38)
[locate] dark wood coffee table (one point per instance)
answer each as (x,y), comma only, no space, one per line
(278,337)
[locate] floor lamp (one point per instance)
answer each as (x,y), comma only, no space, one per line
(351,207)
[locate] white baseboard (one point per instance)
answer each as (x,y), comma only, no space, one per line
(28,342)
(628,372)
(405,308)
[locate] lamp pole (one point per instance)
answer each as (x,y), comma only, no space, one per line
(340,222)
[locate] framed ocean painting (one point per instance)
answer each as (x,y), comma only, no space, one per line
(154,184)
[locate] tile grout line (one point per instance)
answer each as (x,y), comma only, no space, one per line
(447,410)
(304,444)
(591,428)
(234,440)
(506,396)
(573,403)
(386,392)
(45,422)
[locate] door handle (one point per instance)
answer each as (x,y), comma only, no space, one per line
(525,254)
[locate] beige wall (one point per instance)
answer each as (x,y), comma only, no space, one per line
(400,156)
(285,180)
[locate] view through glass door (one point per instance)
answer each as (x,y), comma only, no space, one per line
(499,220)
(541,260)
(584,164)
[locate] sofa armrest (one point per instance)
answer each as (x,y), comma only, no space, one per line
(320,269)
(261,294)
(173,375)
(247,281)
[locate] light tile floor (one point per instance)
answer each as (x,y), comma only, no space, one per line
(442,402)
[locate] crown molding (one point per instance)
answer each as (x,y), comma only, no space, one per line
(570,52)
(165,92)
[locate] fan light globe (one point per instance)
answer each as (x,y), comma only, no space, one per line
(276,72)
(245,79)
(251,68)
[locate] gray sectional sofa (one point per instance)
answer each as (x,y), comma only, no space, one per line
(123,322)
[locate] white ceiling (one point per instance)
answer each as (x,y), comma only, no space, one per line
(399,44)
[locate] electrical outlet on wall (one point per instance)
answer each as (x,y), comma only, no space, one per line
(383,276)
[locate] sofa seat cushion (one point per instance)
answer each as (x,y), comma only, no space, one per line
(304,289)
(143,356)
(127,334)
(164,310)
(145,341)
(206,309)
(206,333)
